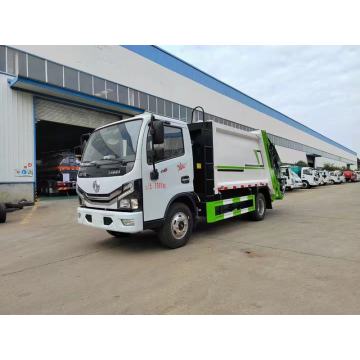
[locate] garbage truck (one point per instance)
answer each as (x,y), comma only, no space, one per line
(292,180)
(309,176)
(154,172)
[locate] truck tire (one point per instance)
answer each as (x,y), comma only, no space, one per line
(117,233)
(306,185)
(2,213)
(260,208)
(177,227)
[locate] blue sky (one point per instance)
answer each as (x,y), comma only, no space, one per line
(316,85)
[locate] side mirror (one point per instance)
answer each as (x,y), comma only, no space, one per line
(157,132)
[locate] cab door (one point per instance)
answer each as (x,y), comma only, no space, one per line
(174,165)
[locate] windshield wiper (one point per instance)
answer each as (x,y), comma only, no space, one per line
(87,163)
(111,161)
(106,161)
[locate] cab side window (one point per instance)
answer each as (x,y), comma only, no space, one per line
(172,147)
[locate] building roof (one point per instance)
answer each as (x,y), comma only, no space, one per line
(171,62)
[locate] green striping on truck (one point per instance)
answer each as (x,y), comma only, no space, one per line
(213,206)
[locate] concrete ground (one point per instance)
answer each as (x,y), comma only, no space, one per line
(303,259)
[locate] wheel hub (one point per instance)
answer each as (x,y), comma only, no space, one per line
(261,207)
(179,225)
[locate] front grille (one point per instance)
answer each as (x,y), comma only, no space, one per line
(100,198)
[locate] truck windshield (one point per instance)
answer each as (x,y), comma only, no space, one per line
(113,144)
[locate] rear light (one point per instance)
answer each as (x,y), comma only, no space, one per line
(60,183)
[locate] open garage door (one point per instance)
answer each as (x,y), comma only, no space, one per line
(71,115)
(58,130)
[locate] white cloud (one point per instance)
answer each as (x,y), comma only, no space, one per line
(318,86)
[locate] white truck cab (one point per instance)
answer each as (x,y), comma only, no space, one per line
(324,177)
(158,173)
(308,175)
(336,177)
(357,172)
(321,179)
(293,181)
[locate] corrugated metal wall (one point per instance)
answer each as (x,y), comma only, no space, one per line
(138,72)
(16,134)
(65,114)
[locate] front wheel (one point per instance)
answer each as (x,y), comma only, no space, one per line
(177,227)
(306,185)
(260,208)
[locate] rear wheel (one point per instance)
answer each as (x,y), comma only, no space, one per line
(177,227)
(117,233)
(2,213)
(260,208)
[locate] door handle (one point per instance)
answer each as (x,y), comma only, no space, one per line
(185,179)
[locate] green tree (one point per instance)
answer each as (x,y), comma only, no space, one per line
(301,163)
(331,167)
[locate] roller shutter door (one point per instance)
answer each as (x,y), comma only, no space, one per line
(71,115)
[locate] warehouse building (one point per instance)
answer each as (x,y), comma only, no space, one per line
(51,95)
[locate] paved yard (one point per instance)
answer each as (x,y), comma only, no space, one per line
(303,259)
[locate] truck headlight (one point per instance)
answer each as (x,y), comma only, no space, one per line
(128,203)
(129,198)
(134,203)
(124,204)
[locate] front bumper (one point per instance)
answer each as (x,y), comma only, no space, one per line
(298,186)
(111,220)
